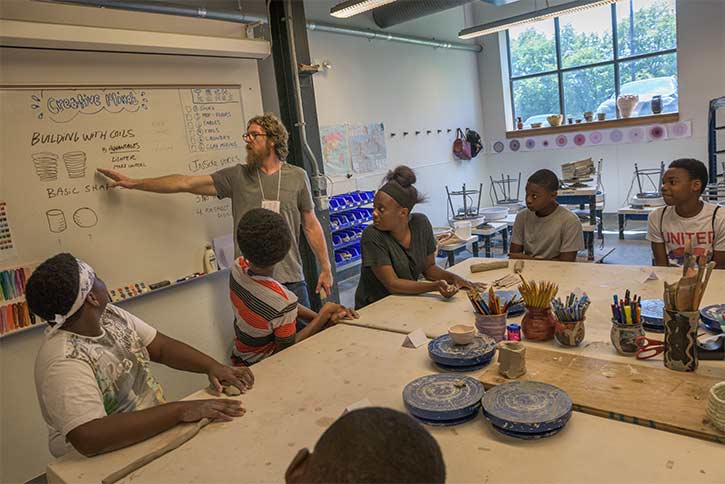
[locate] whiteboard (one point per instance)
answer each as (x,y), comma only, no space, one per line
(52,141)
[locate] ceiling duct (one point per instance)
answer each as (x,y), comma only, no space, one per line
(402,11)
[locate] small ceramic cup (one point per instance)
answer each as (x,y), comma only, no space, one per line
(601,116)
(716,405)
(569,333)
(589,116)
(623,337)
(462,334)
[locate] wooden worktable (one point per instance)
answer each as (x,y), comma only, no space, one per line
(302,390)
(433,314)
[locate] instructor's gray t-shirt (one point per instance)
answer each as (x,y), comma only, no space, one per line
(547,237)
(240,183)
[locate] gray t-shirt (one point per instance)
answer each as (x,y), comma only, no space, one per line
(381,249)
(241,184)
(547,237)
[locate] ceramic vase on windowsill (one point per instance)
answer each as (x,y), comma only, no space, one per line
(626,104)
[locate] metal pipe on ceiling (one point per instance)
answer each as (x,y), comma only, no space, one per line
(238,17)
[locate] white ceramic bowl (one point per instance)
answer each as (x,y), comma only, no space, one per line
(462,334)
(495,213)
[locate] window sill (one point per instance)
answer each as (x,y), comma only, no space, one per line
(609,123)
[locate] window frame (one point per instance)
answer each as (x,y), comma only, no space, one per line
(559,71)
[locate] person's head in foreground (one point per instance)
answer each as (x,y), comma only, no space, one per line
(63,290)
(395,200)
(374,445)
(541,189)
(684,181)
(263,237)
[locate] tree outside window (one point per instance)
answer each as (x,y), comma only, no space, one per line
(582,62)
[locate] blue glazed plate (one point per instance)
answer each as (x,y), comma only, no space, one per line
(443,351)
(714,317)
(527,436)
(653,311)
(529,407)
(506,296)
(462,369)
(448,423)
(443,396)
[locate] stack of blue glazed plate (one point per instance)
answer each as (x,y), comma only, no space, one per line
(449,356)
(443,399)
(505,296)
(653,311)
(713,317)
(527,410)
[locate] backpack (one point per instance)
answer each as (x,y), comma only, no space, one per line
(461,146)
(475,141)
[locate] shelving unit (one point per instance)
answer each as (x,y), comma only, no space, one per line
(350,213)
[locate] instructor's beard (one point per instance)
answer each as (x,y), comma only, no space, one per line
(256,157)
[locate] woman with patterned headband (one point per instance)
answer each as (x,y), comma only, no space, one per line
(399,247)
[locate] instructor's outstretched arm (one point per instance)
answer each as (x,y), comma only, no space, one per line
(199,185)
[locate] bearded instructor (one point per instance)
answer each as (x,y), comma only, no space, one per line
(264,181)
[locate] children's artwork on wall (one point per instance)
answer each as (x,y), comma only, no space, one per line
(335,149)
(626,135)
(358,148)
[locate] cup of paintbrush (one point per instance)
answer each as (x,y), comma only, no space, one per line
(490,315)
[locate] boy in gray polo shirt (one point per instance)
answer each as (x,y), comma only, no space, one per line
(545,230)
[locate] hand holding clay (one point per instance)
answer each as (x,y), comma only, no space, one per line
(225,409)
(238,376)
(446,290)
(119,179)
(342,314)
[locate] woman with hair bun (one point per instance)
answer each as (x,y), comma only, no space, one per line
(399,246)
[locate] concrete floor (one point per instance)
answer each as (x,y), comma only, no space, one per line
(633,250)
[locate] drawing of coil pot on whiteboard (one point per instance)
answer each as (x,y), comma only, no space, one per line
(46,165)
(83,217)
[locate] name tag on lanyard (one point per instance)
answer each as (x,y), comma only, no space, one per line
(272,205)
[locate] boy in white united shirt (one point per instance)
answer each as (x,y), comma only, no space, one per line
(92,374)
(686,217)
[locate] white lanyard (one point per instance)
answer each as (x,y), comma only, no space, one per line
(273,205)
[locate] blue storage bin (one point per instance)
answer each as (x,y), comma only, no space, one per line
(334,204)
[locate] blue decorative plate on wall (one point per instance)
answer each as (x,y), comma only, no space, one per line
(443,397)
(528,407)
(444,351)
(714,317)
(506,296)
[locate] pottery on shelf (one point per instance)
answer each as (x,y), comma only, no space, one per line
(538,324)
(601,116)
(589,116)
(656,104)
(554,120)
(626,104)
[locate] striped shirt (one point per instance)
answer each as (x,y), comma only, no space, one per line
(264,314)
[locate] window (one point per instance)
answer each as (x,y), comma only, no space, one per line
(581,62)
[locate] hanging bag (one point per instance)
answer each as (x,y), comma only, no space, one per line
(461,146)
(474,140)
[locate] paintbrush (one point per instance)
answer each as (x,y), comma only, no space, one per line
(710,267)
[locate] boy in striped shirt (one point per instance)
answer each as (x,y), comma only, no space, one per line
(265,311)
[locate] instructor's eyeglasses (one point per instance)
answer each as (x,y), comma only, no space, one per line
(249,137)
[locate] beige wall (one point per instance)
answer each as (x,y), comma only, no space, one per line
(701,66)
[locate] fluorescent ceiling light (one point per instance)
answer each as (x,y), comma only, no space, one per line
(348,8)
(535,16)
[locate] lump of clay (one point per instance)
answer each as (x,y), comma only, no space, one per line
(511,359)
(231,391)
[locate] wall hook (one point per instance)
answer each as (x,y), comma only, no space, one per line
(392,135)
(428,131)
(440,131)
(405,133)
(417,133)
(448,130)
